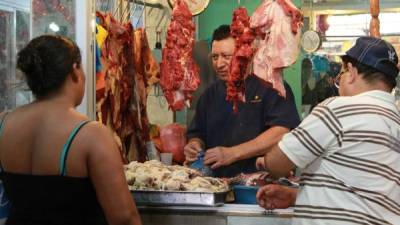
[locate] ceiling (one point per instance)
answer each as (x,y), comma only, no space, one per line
(347,6)
(20,4)
(348,1)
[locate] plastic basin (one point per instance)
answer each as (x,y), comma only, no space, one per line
(245,194)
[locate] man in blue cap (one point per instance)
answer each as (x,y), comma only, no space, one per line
(348,148)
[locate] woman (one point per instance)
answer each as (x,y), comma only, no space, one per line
(57,166)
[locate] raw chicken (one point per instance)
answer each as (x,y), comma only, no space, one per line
(153,175)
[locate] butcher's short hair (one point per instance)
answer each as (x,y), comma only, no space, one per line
(221,33)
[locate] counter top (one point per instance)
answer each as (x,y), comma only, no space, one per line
(224,210)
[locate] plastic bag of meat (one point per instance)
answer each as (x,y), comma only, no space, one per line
(173,139)
(277,23)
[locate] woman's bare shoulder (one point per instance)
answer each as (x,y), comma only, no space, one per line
(97,128)
(96,134)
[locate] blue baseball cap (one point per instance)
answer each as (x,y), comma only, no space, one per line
(376,53)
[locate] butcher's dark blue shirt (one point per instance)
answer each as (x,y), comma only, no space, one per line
(217,125)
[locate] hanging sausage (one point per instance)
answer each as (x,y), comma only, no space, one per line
(374,25)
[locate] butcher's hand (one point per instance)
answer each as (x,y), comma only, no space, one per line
(275,196)
(260,163)
(191,151)
(219,156)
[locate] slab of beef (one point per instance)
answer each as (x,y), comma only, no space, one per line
(145,63)
(259,178)
(244,36)
(277,25)
(179,73)
(113,105)
(146,74)
(128,69)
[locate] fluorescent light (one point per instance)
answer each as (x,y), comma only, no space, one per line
(54,27)
(93,24)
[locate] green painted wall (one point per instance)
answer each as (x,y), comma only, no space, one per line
(220,12)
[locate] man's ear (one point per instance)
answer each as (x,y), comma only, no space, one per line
(353,72)
(74,73)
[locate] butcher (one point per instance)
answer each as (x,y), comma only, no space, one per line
(231,140)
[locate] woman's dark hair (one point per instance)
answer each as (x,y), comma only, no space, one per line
(46,61)
(221,33)
(370,74)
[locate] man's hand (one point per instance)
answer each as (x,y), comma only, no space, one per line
(260,163)
(191,151)
(275,196)
(219,156)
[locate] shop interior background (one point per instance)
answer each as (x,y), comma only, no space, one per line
(21,20)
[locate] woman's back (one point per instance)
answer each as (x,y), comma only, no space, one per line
(46,170)
(35,135)
(34,183)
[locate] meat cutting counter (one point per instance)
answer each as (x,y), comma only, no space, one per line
(176,195)
(228,214)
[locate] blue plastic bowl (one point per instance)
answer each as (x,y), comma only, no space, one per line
(245,194)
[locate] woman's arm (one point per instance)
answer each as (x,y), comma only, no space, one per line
(107,174)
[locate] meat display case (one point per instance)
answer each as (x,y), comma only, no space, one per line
(228,214)
(176,198)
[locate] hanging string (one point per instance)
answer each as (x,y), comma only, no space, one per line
(144,16)
(108,4)
(126,10)
(311,24)
(118,7)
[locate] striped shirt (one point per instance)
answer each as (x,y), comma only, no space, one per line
(349,151)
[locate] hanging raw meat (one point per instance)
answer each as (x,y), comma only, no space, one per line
(244,36)
(322,24)
(113,100)
(117,85)
(146,74)
(179,73)
(145,63)
(128,68)
(277,23)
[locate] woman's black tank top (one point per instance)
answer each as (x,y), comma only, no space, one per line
(52,199)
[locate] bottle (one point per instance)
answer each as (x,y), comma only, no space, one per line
(152,152)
